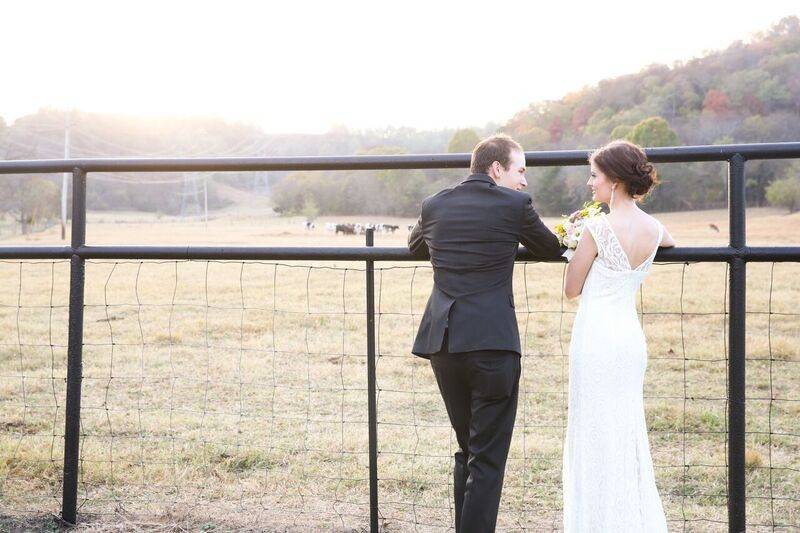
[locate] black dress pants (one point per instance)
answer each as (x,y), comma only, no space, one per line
(480,392)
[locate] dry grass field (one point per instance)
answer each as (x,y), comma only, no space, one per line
(225,396)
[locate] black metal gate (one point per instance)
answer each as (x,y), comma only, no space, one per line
(737,254)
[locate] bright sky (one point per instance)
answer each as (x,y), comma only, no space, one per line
(301,67)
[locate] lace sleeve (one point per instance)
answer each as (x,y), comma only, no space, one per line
(597,234)
(609,251)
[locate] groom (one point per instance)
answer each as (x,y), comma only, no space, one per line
(469,329)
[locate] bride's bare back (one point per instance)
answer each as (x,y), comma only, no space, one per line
(636,232)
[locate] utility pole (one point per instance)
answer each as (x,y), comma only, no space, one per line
(205,199)
(65,178)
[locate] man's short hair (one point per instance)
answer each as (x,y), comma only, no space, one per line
(498,148)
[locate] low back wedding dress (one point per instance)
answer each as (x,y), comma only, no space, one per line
(608,478)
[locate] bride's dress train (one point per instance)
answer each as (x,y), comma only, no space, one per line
(608,479)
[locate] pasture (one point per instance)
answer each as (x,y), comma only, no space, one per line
(232,395)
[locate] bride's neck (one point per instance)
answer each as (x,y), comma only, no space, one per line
(622,204)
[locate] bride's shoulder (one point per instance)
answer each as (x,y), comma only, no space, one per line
(654,222)
(595,224)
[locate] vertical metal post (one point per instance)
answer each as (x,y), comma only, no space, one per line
(736,348)
(372,392)
(74,351)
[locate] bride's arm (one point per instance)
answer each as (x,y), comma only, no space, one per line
(666,240)
(579,265)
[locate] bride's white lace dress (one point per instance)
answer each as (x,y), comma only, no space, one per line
(608,479)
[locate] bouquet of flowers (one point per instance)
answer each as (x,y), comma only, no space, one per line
(570,229)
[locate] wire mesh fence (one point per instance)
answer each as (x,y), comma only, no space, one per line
(238,389)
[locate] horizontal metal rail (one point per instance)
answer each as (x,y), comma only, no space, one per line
(672,154)
(357,253)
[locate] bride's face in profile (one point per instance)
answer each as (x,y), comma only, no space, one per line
(600,184)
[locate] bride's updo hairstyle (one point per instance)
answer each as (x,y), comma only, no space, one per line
(623,161)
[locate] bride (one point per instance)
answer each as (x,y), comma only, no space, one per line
(608,479)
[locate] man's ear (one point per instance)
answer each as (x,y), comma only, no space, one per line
(494,169)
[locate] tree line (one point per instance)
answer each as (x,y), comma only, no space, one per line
(749,92)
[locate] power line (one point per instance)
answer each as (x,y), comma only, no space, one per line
(103,176)
(246,146)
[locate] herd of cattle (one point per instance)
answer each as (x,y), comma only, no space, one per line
(356,229)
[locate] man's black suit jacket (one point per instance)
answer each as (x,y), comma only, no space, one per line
(472,232)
